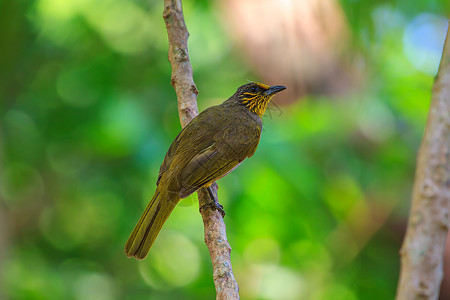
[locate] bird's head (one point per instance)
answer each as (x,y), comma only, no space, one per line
(255,96)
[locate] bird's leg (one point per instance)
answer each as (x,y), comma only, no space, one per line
(214,204)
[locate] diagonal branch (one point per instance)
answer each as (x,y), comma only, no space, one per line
(422,253)
(183,83)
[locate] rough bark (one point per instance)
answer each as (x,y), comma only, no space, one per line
(423,248)
(183,83)
(182,75)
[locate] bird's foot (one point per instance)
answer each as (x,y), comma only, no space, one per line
(214,206)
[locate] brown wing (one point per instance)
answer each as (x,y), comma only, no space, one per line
(231,147)
(191,136)
(209,147)
(204,168)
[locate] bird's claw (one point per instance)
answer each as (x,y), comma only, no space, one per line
(214,206)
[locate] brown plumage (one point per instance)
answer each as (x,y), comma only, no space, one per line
(208,148)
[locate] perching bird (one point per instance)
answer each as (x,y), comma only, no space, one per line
(212,145)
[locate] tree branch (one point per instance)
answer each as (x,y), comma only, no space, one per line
(423,248)
(183,83)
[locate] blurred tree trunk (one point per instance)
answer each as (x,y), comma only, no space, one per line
(306,44)
(423,248)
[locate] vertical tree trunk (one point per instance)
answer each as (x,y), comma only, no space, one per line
(423,248)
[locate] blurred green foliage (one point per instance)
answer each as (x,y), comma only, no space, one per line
(87,113)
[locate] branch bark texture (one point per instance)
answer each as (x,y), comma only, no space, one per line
(183,83)
(422,253)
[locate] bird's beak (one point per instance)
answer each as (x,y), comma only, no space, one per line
(275,89)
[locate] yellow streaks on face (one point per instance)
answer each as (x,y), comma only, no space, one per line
(257,102)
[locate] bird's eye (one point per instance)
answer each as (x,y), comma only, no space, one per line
(254,89)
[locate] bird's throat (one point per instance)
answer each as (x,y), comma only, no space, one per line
(257,105)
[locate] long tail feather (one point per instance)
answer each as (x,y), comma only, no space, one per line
(149,225)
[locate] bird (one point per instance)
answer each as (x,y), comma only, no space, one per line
(210,146)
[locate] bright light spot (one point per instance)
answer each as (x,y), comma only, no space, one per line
(57,9)
(123,24)
(376,121)
(173,261)
(95,287)
(274,282)
(423,42)
(386,19)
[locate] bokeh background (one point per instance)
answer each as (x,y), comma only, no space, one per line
(87,112)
